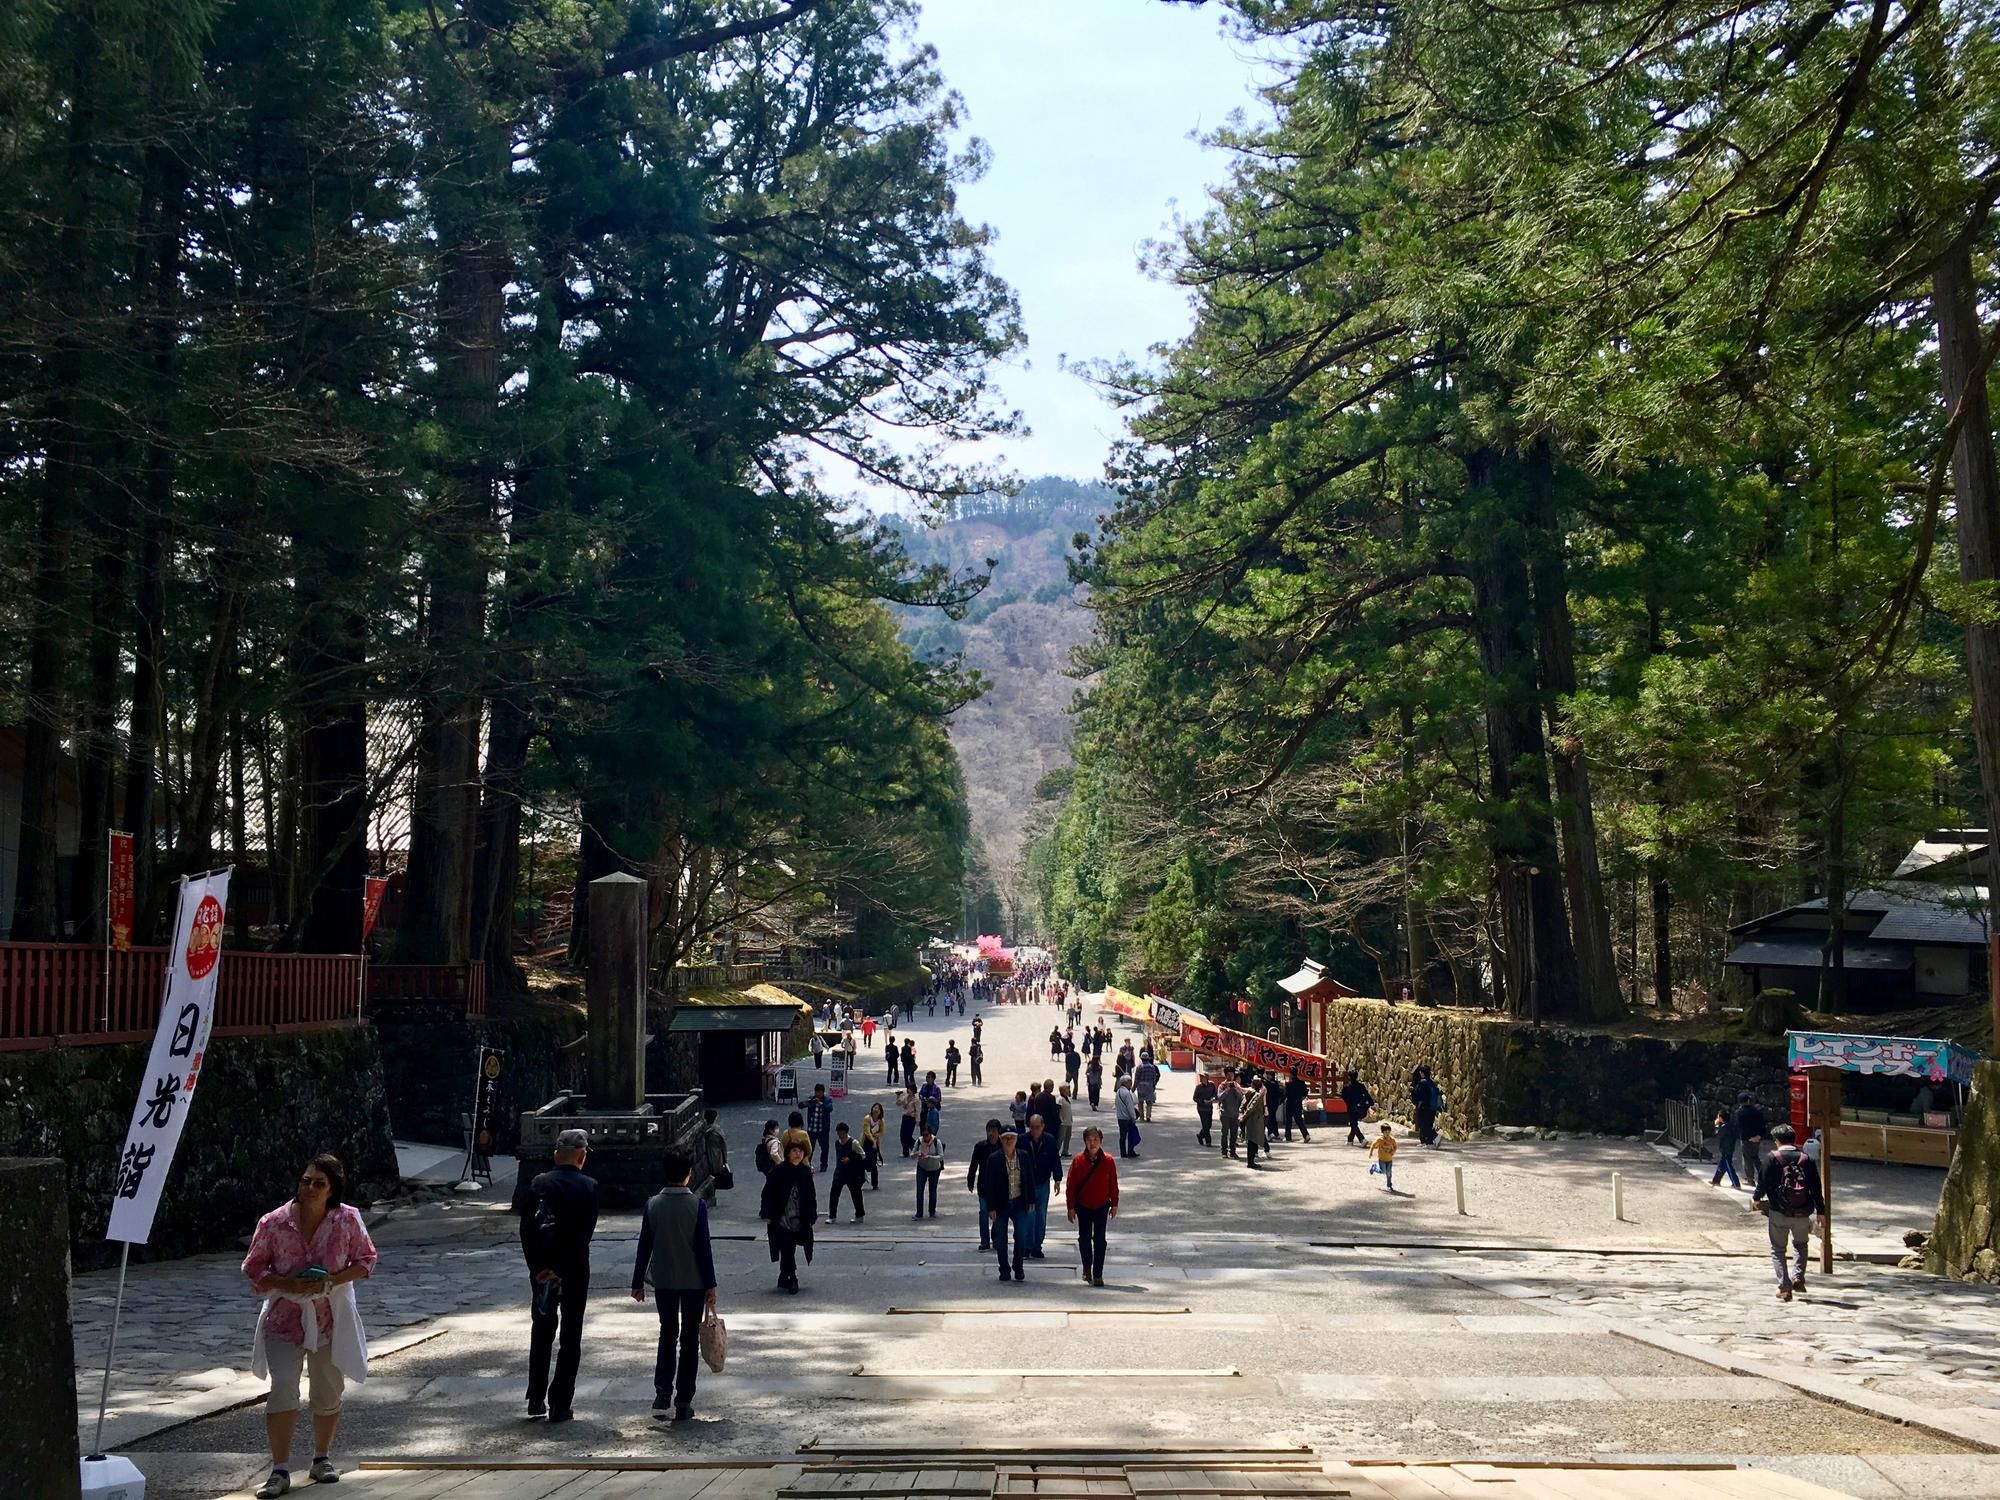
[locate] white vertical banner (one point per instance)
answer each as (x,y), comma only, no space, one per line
(166,1090)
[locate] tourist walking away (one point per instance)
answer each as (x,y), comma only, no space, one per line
(304,1259)
(1751,1129)
(1045,1159)
(868,1031)
(790,1208)
(977,1057)
(907,1099)
(1066,1114)
(951,1060)
(850,1170)
(1126,1102)
(1725,1149)
(895,1057)
(910,1061)
(1229,1104)
(872,1126)
(677,1257)
(1092,1198)
(980,1151)
(1295,1104)
(1204,1110)
(1146,1084)
(1426,1099)
(1255,1136)
(1354,1094)
(1044,1102)
(558,1216)
(930,1166)
(1005,1187)
(1093,1079)
(1055,1041)
(1072,1064)
(770,1149)
(1382,1156)
(795,1134)
(715,1157)
(1788,1190)
(819,1122)
(930,1103)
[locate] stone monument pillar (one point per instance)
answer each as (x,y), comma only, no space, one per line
(38,1377)
(615,987)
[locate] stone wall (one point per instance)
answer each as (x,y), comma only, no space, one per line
(38,1376)
(1496,1071)
(266,1104)
(1965,1241)
(428,1067)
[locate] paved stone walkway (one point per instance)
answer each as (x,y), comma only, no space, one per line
(1356,1320)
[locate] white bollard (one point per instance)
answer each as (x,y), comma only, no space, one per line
(1458,1183)
(1618,1196)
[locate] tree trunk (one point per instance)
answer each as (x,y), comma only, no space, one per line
(1590,916)
(1662,901)
(1976,489)
(333,744)
(498,863)
(1540,960)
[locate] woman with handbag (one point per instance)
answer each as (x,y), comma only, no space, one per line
(872,1127)
(676,1256)
(715,1158)
(790,1208)
(1092,1195)
(930,1167)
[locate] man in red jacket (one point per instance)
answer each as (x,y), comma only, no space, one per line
(1092,1195)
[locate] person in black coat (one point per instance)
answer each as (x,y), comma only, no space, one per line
(790,1208)
(1007,1188)
(850,1170)
(1274,1108)
(1204,1109)
(980,1151)
(1295,1105)
(558,1213)
(1425,1096)
(1751,1130)
(1354,1093)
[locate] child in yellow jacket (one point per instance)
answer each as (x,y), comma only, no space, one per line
(1382,1157)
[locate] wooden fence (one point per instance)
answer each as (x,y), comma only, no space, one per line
(461,986)
(63,994)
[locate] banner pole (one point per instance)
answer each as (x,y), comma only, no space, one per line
(105,1022)
(110,1352)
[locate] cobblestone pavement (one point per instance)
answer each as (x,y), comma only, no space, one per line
(1353,1319)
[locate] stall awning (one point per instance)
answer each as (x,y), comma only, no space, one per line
(1929,1058)
(1781,950)
(732,1018)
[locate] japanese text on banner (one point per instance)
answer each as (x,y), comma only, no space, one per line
(166,1089)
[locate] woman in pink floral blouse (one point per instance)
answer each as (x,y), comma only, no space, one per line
(307,1254)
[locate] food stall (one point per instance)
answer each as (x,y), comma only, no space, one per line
(1871,1126)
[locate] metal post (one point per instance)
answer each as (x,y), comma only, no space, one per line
(105,1023)
(111,1351)
(1826,1193)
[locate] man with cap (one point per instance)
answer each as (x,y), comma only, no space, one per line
(558,1213)
(1007,1189)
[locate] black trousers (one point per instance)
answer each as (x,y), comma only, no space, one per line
(680,1344)
(1354,1128)
(823,1140)
(561,1330)
(851,1185)
(1205,1113)
(1090,1227)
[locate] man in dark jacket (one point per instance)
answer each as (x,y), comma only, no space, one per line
(1204,1109)
(980,1151)
(558,1212)
(676,1255)
(1274,1106)
(850,1170)
(1788,1190)
(1751,1128)
(1295,1105)
(1007,1188)
(1354,1093)
(819,1123)
(1044,1156)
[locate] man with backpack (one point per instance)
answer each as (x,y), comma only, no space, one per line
(1789,1193)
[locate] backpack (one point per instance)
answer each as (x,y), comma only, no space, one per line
(1795,1189)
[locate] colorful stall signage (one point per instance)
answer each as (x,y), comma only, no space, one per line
(1928,1058)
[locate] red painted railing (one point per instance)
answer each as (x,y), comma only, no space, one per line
(460,985)
(62,994)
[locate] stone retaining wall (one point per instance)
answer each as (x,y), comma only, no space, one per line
(1496,1071)
(266,1104)
(428,1066)
(1965,1241)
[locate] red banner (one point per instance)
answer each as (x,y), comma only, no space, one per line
(371,904)
(1255,1050)
(118,892)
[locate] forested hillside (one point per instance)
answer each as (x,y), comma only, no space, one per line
(1570,527)
(1018,635)
(402,466)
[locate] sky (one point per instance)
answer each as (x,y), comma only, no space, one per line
(1091,110)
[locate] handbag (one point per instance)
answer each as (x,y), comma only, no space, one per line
(724,1179)
(714,1340)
